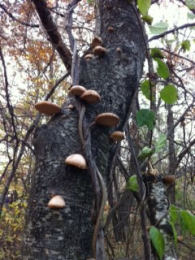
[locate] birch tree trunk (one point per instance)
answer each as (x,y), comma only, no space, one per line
(67,233)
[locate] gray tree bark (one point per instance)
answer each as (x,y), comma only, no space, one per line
(67,233)
(159,216)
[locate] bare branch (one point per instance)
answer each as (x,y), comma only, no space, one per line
(10,107)
(16,19)
(177,55)
(52,31)
(185,151)
(171,31)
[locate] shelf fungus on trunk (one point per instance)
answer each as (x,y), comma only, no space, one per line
(96,42)
(89,56)
(99,51)
(91,96)
(76,160)
(117,136)
(169,179)
(107,119)
(57,202)
(77,90)
(47,108)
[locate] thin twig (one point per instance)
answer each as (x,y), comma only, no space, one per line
(171,31)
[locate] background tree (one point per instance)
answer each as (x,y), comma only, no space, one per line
(37,38)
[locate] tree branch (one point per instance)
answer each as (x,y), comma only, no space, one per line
(16,19)
(186,150)
(171,31)
(52,31)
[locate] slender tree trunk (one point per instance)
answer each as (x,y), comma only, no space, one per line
(67,233)
(158,204)
(172,157)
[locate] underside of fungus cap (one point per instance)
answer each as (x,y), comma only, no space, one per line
(91,96)
(117,136)
(57,202)
(89,56)
(107,119)
(99,51)
(47,108)
(77,90)
(76,160)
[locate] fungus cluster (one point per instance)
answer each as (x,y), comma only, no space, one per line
(90,96)
(104,119)
(97,49)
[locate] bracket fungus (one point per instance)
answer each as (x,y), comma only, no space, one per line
(91,96)
(77,90)
(88,56)
(96,41)
(117,136)
(76,160)
(47,108)
(169,179)
(107,119)
(110,29)
(57,202)
(99,51)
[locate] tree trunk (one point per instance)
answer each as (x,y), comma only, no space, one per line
(67,233)
(172,157)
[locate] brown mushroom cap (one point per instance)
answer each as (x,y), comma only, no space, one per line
(110,29)
(91,96)
(99,51)
(47,108)
(169,179)
(117,136)
(57,202)
(89,56)
(107,119)
(96,41)
(77,90)
(76,160)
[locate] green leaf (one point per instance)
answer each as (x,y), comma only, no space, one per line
(157,241)
(162,70)
(148,19)
(169,94)
(174,214)
(185,45)
(158,28)
(156,53)
(174,232)
(144,6)
(145,88)
(132,183)
(188,221)
(160,143)
(145,117)
(190,4)
(145,152)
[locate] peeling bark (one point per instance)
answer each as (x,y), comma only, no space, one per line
(159,215)
(67,233)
